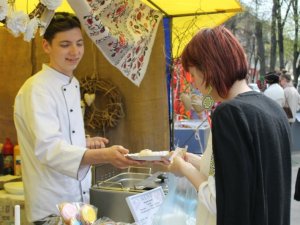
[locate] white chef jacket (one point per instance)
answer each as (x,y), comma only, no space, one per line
(51,135)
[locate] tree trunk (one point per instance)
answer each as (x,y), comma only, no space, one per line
(273,37)
(280,37)
(296,68)
(260,47)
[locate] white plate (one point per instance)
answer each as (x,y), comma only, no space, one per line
(15,188)
(155,156)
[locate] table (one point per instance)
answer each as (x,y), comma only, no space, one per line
(7,206)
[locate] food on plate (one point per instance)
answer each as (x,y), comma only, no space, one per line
(146,152)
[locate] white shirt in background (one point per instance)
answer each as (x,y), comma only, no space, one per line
(292,99)
(275,92)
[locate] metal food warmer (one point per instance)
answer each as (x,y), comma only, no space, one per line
(113,185)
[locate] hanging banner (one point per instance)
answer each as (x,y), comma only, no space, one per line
(124,31)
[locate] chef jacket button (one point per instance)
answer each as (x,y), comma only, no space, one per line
(65,89)
(71,110)
(84,192)
(73,131)
(76,86)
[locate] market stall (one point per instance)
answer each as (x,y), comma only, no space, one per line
(145,115)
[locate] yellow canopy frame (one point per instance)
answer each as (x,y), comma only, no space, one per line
(187,16)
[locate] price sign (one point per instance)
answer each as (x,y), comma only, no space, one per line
(144,205)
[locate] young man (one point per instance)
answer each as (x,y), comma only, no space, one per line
(292,97)
(56,156)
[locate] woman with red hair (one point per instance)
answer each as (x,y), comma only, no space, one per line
(249,182)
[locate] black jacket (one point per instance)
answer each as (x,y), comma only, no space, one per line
(252,152)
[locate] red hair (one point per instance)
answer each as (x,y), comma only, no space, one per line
(218,55)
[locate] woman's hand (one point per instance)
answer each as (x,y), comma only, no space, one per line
(174,163)
(178,166)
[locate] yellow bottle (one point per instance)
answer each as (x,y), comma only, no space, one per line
(17,161)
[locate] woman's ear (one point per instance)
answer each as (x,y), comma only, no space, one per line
(46,46)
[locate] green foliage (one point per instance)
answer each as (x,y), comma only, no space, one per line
(243,26)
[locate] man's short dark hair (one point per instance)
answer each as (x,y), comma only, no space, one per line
(61,21)
(272,77)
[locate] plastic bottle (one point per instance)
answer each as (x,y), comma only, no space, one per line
(17,161)
(8,157)
(1,159)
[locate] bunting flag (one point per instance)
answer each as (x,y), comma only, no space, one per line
(123,30)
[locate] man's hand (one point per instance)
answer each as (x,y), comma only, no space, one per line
(96,142)
(115,155)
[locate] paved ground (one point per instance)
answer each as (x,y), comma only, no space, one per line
(295,206)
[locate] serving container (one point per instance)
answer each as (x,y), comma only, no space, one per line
(109,196)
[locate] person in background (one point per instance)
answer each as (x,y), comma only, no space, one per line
(250,177)
(274,90)
(56,156)
(292,97)
(297,187)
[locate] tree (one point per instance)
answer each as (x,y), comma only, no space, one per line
(280,26)
(273,36)
(276,30)
(260,47)
(296,68)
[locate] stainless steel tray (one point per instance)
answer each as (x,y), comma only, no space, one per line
(126,180)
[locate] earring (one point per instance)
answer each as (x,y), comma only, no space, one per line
(208,102)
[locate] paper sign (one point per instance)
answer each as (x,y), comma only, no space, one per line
(144,205)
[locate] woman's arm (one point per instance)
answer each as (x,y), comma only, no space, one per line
(180,167)
(193,159)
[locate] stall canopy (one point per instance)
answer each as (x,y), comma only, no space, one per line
(182,20)
(186,16)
